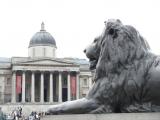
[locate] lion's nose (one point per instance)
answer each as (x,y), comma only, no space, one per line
(84,51)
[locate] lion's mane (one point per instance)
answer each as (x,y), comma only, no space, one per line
(121,45)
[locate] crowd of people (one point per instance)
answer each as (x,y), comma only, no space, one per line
(17,114)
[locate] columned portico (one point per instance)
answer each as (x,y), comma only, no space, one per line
(40,86)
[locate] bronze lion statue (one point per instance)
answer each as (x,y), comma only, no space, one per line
(127,74)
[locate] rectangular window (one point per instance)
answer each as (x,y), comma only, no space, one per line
(85,82)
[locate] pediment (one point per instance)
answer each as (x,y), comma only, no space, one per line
(53,62)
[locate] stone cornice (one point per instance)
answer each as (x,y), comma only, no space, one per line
(45,68)
(28,59)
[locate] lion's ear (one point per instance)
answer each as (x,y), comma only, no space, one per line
(119,21)
(113,32)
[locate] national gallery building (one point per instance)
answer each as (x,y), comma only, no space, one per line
(41,78)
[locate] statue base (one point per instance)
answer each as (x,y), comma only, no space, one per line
(112,116)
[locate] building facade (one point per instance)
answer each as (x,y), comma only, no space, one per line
(42,77)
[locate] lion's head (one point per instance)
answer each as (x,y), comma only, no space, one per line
(93,51)
(117,46)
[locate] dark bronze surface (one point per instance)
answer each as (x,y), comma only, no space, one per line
(127,77)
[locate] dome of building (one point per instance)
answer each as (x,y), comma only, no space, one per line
(42,44)
(42,38)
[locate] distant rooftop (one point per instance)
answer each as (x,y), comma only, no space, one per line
(5,60)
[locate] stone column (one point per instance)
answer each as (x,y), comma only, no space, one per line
(51,88)
(60,87)
(69,87)
(13,87)
(77,82)
(33,87)
(23,86)
(42,88)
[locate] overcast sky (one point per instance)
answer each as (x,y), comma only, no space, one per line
(73,23)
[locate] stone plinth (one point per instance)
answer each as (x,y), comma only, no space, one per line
(116,116)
